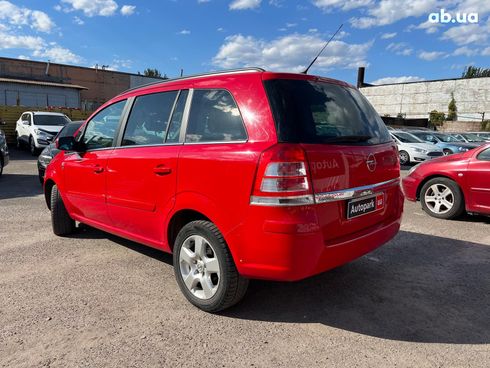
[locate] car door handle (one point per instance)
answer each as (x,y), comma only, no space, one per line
(98,169)
(162,170)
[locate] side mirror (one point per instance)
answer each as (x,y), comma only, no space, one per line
(25,122)
(67,144)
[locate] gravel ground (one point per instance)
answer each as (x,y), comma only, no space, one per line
(95,300)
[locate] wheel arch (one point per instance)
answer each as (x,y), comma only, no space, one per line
(48,187)
(179,219)
(434,176)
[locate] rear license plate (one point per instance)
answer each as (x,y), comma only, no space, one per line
(364,205)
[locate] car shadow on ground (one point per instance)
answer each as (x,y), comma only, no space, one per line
(417,288)
(19,185)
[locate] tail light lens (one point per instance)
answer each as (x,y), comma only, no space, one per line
(282,178)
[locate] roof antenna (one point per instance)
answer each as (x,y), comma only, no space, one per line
(316,57)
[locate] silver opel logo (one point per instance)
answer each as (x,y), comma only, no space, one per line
(371,162)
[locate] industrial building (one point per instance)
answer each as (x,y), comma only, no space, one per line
(44,84)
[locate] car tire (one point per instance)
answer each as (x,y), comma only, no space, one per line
(41,179)
(442,198)
(447,152)
(1,166)
(404,157)
(204,268)
(61,221)
(18,143)
(32,147)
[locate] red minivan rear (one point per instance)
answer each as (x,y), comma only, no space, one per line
(329,190)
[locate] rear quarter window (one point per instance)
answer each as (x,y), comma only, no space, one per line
(317,112)
(214,117)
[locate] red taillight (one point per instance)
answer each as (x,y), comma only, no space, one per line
(282,178)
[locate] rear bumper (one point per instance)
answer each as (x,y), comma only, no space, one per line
(409,185)
(291,250)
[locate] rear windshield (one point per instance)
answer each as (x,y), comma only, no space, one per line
(407,138)
(315,112)
(57,120)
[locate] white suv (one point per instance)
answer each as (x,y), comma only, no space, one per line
(38,128)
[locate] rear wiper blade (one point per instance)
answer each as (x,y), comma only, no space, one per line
(347,139)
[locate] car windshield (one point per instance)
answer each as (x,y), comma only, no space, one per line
(308,111)
(446,138)
(407,138)
(56,120)
(473,137)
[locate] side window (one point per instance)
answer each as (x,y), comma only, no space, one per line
(101,129)
(148,121)
(214,117)
(176,121)
(484,155)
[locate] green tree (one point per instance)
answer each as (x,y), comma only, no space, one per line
(452,110)
(475,72)
(154,73)
(436,118)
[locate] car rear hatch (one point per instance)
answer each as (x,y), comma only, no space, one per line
(352,161)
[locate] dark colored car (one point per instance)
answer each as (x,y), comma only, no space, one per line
(4,151)
(50,151)
(449,185)
(240,174)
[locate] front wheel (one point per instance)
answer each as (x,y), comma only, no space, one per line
(404,158)
(61,221)
(32,147)
(447,152)
(204,268)
(442,198)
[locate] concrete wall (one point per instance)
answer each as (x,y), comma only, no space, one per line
(15,94)
(417,99)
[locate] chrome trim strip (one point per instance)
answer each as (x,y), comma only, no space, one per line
(302,200)
(350,193)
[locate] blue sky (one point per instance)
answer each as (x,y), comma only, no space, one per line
(394,39)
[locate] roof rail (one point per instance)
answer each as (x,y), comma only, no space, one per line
(228,71)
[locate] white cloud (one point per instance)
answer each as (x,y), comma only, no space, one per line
(400,48)
(390,11)
(276,3)
(78,21)
(92,8)
(9,41)
(431,55)
(57,54)
(244,4)
(402,79)
(24,57)
(464,50)
(486,52)
(469,33)
(128,9)
(289,53)
(184,32)
(17,16)
(386,36)
(329,5)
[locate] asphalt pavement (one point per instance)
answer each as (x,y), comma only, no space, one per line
(96,300)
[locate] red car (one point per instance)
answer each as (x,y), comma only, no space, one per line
(240,174)
(450,185)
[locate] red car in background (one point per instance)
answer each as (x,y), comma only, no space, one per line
(450,185)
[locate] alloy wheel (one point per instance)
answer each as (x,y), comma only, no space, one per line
(439,198)
(199,267)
